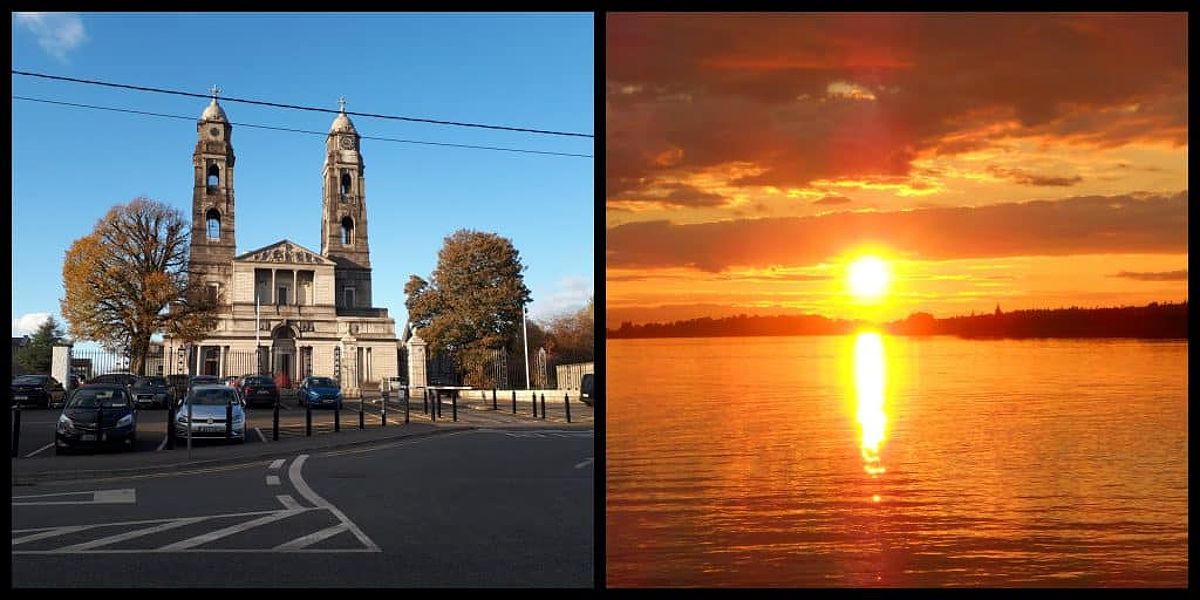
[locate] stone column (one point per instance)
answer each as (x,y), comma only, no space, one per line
(220,361)
(60,364)
(295,287)
(272,296)
(350,367)
(416,365)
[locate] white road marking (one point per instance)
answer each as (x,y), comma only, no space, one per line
(312,538)
(275,464)
(228,531)
(272,480)
(319,502)
(126,496)
(129,535)
(39,450)
(54,531)
(585,463)
(288,502)
(260,434)
(148,521)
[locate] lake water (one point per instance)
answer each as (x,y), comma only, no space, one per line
(876,460)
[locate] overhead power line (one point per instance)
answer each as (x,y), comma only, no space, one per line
(297,107)
(305,131)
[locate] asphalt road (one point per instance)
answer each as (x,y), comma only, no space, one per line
(37,425)
(485,507)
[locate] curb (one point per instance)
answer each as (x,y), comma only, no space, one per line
(42,476)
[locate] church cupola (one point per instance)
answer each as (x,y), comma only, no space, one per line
(212,243)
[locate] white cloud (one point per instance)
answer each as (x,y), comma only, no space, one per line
(57,33)
(28,323)
(570,295)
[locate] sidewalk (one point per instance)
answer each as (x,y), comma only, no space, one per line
(124,464)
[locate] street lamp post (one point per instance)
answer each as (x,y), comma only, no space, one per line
(525,339)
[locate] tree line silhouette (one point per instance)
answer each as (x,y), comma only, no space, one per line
(1155,320)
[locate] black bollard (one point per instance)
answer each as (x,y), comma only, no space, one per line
(171,425)
(16,436)
(454,404)
(228,419)
(533,401)
(543,406)
(514,401)
(494,399)
(307,419)
(425,402)
(383,413)
(567,405)
(337,416)
(275,422)
(99,421)
(361,418)
(406,408)
(437,395)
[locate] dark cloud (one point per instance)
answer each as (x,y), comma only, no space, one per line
(831,199)
(1141,223)
(1159,276)
(712,90)
(1024,177)
(679,195)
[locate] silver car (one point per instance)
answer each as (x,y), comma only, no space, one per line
(208,404)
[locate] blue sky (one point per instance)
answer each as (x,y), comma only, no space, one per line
(71,165)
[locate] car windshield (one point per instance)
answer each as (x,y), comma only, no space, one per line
(212,397)
(321,382)
(259,381)
(86,398)
(150,382)
(30,380)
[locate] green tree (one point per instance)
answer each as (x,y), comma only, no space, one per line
(35,357)
(127,280)
(473,302)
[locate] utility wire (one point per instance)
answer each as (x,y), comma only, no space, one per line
(297,107)
(365,137)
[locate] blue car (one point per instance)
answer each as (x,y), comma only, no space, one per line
(320,391)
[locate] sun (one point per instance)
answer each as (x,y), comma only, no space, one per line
(868,278)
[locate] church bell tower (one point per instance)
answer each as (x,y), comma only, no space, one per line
(344,214)
(212,242)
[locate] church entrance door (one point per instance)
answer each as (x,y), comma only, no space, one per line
(284,349)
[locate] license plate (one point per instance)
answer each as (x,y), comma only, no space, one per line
(22,397)
(263,393)
(212,428)
(88,437)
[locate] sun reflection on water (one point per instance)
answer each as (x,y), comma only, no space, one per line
(869,377)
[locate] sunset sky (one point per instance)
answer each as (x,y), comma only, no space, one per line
(1027,160)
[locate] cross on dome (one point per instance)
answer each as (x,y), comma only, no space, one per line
(342,103)
(216,91)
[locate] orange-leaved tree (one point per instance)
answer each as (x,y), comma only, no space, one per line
(127,280)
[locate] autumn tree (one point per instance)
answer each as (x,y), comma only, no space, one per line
(572,337)
(127,280)
(36,356)
(473,302)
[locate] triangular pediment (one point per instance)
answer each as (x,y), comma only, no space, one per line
(285,252)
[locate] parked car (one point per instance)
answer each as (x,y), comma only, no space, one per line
(230,381)
(204,380)
(392,385)
(179,385)
(320,391)
(38,390)
(209,403)
(78,427)
(259,389)
(152,392)
(238,382)
(119,377)
(587,389)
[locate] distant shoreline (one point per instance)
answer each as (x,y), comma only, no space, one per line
(1155,321)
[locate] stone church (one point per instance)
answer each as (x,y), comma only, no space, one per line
(286,309)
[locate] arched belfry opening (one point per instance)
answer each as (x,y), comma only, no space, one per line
(212,220)
(345,186)
(214,177)
(347,231)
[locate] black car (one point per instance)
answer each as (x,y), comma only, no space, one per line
(107,404)
(152,392)
(179,384)
(587,389)
(37,390)
(125,379)
(259,389)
